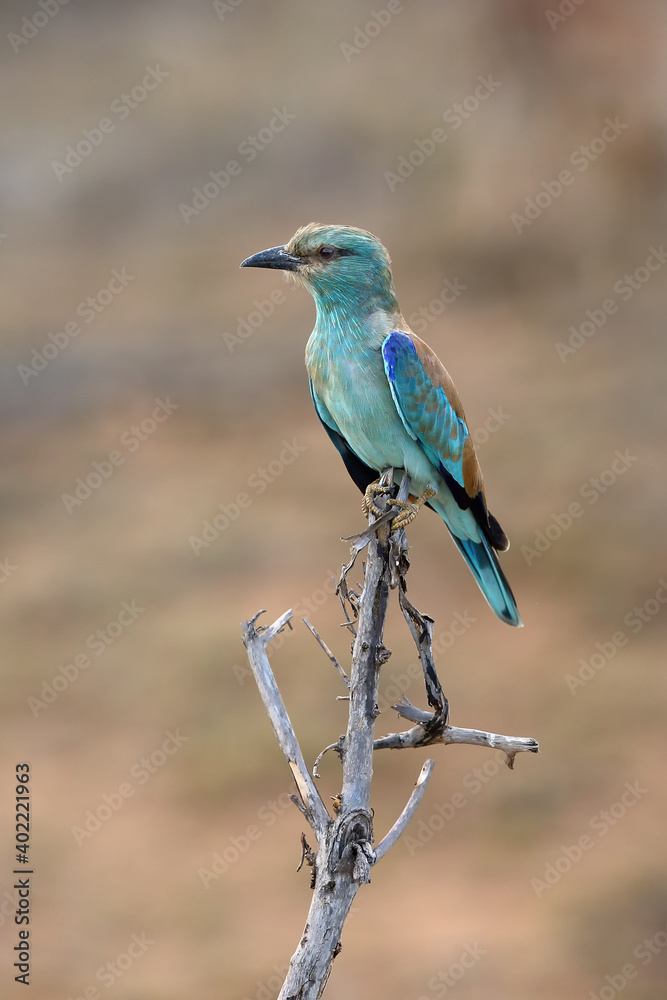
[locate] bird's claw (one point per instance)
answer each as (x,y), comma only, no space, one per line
(409,510)
(408,513)
(373,490)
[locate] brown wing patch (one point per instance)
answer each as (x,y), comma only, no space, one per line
(472,474)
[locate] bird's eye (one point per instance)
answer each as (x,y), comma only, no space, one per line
(326,253)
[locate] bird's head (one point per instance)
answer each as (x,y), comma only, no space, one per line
(340,266)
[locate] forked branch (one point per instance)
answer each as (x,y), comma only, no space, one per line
(345,852)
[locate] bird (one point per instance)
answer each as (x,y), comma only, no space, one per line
(386,400)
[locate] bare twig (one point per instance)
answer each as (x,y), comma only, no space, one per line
(256,642)
(300,806)
(361,540)
(332,746)
(343,595)
(510,745)
(308,856)
(421,629)
(399,826)
(428,731)
(345,852)
(346,679)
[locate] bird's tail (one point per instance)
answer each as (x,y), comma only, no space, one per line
(490,578)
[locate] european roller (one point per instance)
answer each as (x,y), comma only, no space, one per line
(385,399)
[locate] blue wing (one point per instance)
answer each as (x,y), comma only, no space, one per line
(427,404)
(431,412)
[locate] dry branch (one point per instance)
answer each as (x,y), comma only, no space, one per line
(345,852)
(256,642)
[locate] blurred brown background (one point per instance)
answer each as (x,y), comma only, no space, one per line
(181,332)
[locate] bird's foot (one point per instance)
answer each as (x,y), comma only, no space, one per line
(409,509)
(372,491)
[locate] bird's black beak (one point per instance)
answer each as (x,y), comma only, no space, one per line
(276,257)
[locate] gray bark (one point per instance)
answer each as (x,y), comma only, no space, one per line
(345,852)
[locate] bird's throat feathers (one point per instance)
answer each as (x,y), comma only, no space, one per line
(353,318)
(341,332)
(342,301)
